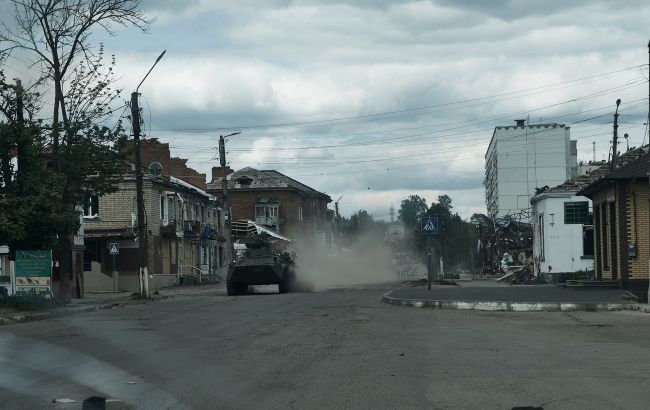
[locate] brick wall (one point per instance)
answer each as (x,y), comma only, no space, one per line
(313,210)
(638,228)
(155,151)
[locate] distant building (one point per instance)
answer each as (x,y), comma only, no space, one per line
(521,158)
(276,201)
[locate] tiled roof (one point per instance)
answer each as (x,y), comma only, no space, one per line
(267,179)
(632,164)
(626,166)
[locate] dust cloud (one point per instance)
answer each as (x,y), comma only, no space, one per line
(322,266)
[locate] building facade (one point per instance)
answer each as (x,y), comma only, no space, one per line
(521,158)
(620,218)
(275,201)
(562,233)
(185,227)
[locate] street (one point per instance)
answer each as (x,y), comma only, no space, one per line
(335,349)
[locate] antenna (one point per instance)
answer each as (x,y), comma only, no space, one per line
(155,169)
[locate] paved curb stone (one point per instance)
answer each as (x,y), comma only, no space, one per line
(510,306)
(29,317)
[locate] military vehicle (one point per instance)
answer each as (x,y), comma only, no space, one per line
(262,263)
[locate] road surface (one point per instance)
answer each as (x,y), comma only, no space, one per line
(335,349)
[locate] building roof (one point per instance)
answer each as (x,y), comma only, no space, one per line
(631,165)
(251,178)
(552,125)
(575,186)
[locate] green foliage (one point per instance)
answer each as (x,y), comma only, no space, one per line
(38,197)
(29,301)
(411,209)
(456,239)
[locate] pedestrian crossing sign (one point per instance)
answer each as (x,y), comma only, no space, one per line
(114,248)
(429,225)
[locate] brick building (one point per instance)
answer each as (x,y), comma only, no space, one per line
(275,200)
(620,218)
(184,227)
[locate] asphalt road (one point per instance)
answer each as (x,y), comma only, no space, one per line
(336,349)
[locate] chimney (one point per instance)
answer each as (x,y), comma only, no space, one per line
(521,123)
(217,173)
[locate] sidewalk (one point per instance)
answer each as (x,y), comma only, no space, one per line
(517,298)
(106,300)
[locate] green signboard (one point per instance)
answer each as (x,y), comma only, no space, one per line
(34,271)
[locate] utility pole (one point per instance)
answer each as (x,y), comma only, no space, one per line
(142,223)
(226,202)
(338,218)
(648,128)
(615,139)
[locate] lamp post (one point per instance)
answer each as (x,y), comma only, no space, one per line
(224,191)
(142,223)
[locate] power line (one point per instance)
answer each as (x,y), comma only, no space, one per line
(322,122)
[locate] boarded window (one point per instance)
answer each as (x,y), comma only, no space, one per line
(577,213)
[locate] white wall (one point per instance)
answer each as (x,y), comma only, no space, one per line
(563,244)
(526,158)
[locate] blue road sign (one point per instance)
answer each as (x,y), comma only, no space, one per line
(429,225)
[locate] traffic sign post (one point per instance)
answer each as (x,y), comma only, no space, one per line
(114,249)
(429,227)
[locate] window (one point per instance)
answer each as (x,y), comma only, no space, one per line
(268,212)
(588,240)
(300,213)
(91,206)
(577,213)
(163,208)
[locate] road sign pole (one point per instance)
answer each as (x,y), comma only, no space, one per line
(114,276)
(429,263)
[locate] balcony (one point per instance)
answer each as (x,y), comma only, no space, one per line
(267,220)
(191,229)
(168,230)
(213,233)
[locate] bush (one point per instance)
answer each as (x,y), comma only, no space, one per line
(29,301)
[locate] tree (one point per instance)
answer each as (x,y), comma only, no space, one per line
(456,238)
(411,209)
(55,34)
(76,150)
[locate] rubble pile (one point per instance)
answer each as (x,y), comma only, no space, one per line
(505,246)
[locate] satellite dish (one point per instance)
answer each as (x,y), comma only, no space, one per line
(155,169)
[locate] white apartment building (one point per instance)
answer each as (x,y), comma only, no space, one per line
(521,158)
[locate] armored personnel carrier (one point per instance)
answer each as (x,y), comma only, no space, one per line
(261,263)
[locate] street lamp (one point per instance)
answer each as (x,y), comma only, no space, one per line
(142,224)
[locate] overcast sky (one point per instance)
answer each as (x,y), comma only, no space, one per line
(376,100)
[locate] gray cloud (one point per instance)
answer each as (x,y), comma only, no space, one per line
(260,62)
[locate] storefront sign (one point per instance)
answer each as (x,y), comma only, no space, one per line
(34,271)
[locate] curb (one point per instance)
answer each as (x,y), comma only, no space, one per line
(512,306)
(30,317)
